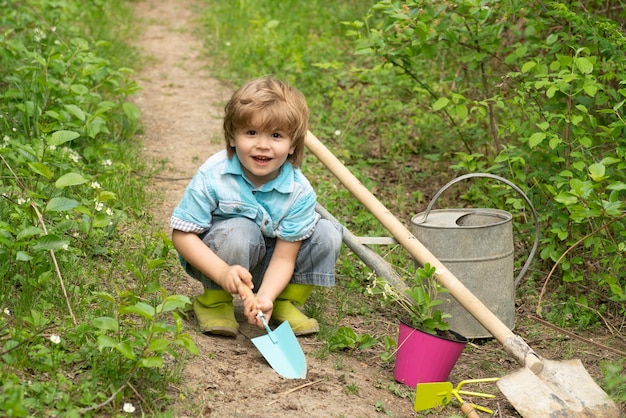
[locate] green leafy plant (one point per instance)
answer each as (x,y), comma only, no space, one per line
(534,92)
(79,336)
(615,379)
(419,301)
(347,339)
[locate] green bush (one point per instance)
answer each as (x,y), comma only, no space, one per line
(76,335)
(534,92)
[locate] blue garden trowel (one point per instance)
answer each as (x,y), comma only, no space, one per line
(281,349)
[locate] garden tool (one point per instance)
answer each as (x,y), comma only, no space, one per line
(541,388)
(432,394)
(280,347)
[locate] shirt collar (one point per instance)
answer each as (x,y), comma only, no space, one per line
(283,183)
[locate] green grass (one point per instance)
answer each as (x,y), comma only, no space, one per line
(83,318)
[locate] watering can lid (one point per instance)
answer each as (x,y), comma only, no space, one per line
(461,218)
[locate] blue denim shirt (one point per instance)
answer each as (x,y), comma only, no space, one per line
(282,208)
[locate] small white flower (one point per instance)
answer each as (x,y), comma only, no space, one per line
(128,407)
(107,163)
(21,201)
(14,129)
(227,43)
(337,132)
(74,157)
(7,312)
(99,206)
(65,247)
(109,211)
(39,35)
(95,185)
(53,147)
(55,339)
(6,138)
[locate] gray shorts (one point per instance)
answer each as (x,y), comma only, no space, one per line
(239,241)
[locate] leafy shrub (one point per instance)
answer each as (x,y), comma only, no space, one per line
(535,92)
(67,163)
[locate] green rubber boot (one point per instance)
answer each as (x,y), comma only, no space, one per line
(216,313)
(285,309)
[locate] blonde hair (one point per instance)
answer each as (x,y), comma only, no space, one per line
(280,107)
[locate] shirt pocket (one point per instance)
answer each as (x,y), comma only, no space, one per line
(237,209)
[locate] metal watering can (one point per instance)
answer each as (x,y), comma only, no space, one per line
(476,245)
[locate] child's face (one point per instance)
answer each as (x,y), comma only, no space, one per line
(261,152)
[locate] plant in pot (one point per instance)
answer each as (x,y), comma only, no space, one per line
(426,348)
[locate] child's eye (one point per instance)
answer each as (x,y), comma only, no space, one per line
(276,135)
(251,132)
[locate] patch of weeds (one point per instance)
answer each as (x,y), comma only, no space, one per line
(615,380)
(389,349)
(87,329)
(346,339)
(352,388)
(380,406)
(401,391)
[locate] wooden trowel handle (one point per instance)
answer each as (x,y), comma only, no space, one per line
(513,344)
(248,293)
(469,411)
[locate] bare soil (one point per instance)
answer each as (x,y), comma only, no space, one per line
(182,108)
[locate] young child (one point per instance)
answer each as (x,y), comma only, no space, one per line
(247,218)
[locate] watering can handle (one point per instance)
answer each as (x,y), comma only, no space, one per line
(514,187)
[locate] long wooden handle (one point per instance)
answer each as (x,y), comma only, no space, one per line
(513,344)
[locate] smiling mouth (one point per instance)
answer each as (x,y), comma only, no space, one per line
(261,159)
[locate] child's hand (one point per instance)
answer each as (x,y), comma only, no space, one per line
(234,276)
(252,306)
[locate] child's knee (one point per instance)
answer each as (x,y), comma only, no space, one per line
(234,236)
(329,234)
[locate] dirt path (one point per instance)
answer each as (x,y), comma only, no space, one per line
(182,108)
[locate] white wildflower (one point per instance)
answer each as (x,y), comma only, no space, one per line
(95,185)
(99,206)
(107,163)
(109,211)
(65,247)
(7,312)
(128,407)
(337,132)
(6,138)
(39,35)
(55,339)
(74,157)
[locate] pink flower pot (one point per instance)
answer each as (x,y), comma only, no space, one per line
(423,357)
